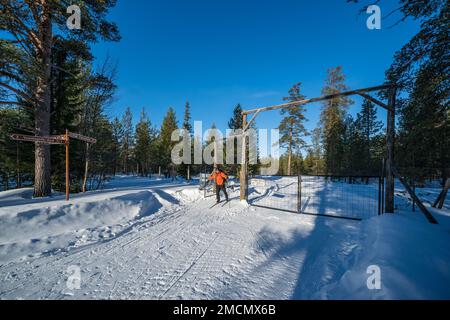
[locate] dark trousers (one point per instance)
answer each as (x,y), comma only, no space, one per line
(224,189)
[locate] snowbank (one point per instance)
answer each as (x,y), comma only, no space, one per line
(413,257)
(412,254)
(61,226)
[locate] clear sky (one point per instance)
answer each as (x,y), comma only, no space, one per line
(219,53)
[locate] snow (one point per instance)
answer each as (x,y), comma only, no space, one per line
(158,239)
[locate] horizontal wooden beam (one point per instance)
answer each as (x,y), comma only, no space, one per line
(40,139)
(322,98)
(80,137)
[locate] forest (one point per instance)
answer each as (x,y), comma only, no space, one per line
(49,83)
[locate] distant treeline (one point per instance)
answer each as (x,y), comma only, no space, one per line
(48,83)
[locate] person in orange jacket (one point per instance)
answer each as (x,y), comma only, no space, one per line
(220,179)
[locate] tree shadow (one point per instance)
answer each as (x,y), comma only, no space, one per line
(321,256)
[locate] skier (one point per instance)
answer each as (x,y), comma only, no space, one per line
(220,179)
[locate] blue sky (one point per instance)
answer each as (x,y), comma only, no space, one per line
(219,53)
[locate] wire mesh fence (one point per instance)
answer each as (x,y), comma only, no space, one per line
(352,197)
(275,192)
(205,184)
(428,184)
(357,197)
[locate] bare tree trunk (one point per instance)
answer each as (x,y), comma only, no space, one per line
(441,198)
(290,153)
(86,169)
(18,178)
(5,181)
(42,184)
(125,164)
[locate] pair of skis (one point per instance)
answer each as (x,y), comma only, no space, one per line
(223,205)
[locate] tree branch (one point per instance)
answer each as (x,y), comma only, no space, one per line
(16,91)
(16,103)
(10,75)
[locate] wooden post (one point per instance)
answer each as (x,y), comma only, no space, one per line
(390,135)
(86,170)
(413,195)
(18,180)
(189,173)
(67,167)
(441,198)
(243,178)
(299,194)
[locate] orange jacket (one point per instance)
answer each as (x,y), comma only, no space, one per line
(219,178)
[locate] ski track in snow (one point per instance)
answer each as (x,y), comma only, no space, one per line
(185,250)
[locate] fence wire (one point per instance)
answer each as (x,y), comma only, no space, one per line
(345,197)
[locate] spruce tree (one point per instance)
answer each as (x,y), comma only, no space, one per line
(235,122)
(369,127)
(187,118)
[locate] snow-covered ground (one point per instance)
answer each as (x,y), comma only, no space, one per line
(141,239)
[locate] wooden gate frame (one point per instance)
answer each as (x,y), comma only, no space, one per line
(390,133)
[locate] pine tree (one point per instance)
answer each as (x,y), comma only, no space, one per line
(33,27)
(314,163)
(169,125)
(99,93)
(292,129)
(184,168)
(117,136)
(235,123)
(127,141)
(420,71)
(332,121)
(353,160)
(428,47)
(142,148)
(370,128)
(15,157)
(69,106)
(424,131)
(101,157)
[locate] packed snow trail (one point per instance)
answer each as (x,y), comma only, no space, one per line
(178,248)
